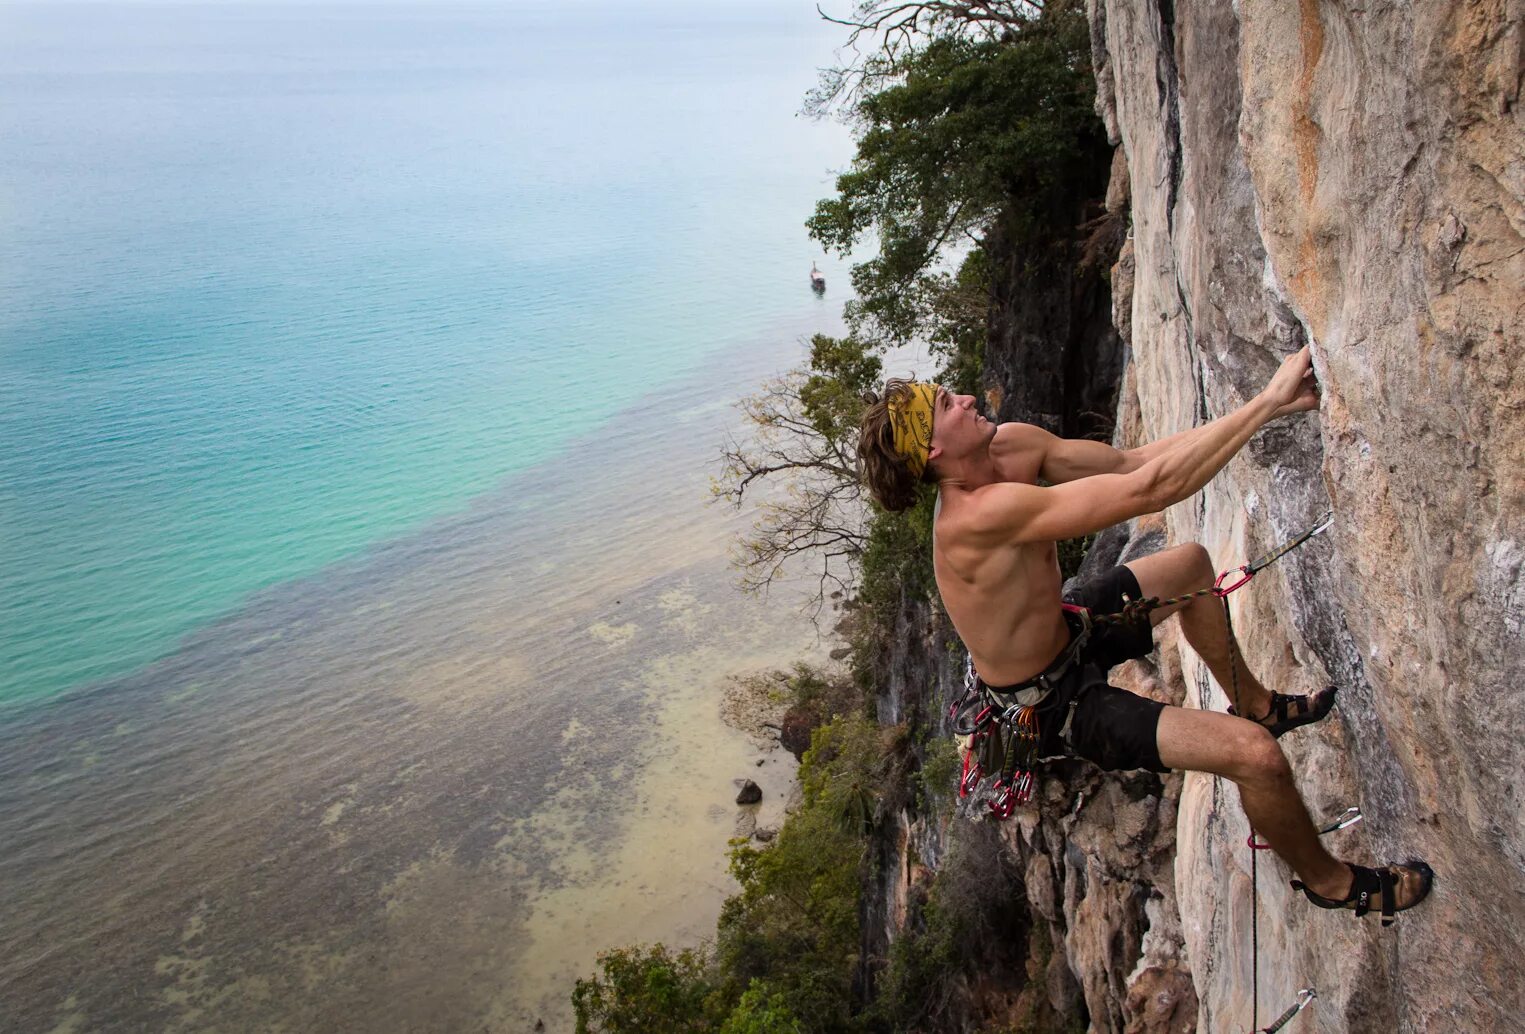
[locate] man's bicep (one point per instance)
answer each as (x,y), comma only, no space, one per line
(1070,459)
(1084,506)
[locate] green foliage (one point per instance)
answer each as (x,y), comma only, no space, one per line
(960,133)
(940,767)
(1072,553)
(898,555)
(793,928)
(761,1011)
(807,685)
(895,566)
(973,915)
(842,371)
(960,340)
(820,696)
(842,773)
(646,990)
(787,943)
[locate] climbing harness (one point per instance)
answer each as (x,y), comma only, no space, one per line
(1304,998)
(998,730)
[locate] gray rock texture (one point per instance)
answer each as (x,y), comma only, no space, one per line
(1353,176)
(1350,176)
(750,793)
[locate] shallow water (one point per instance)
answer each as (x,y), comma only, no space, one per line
(281,281)
(419,790)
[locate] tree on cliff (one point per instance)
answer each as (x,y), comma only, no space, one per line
(801,454)
(972,120)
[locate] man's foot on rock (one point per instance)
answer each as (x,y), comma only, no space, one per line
(1287,712)
(1388,889)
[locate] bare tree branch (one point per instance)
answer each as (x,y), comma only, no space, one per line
(882,32)
(804,485)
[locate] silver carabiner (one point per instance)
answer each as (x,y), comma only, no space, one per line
(1348,818)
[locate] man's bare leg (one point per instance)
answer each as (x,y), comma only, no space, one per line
(1207,741)
(1183,569)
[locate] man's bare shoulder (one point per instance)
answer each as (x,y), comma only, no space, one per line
(1019,451)
(1015,436)
(995,509)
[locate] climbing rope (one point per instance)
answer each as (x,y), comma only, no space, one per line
(1245,573)
(1233,668)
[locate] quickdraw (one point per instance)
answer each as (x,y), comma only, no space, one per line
(998,728)
(1015,785)
(999,740)
(1348,817)
(1305,997)
(1227,582)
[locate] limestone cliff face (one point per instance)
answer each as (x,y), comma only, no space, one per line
(1351,176)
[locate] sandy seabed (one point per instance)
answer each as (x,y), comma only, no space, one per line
(418,791)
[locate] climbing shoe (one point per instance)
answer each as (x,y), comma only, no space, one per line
(1288,712)
(1411,881)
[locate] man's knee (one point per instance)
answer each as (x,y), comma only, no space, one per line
(1259,757)
(1196,558)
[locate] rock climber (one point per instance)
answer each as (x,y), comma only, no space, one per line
(996,563)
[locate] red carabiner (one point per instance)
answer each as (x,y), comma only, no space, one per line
(971,775)
(1220,590)
(1005,802)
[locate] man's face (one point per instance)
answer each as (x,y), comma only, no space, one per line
(958,429)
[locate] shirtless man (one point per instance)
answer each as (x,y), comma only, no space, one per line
(997,571)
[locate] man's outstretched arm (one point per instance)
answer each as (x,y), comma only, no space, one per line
(1089,504)
(1069,459)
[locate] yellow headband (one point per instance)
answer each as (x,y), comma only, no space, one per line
(911,422)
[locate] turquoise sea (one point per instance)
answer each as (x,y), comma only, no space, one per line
(363,620)
(280,282)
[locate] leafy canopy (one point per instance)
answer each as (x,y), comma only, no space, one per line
(957,133)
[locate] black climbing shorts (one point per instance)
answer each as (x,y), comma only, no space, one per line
(1112,727)
(1107,593)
